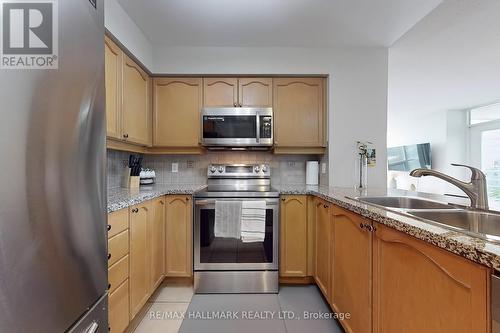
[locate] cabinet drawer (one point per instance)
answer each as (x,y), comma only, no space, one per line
(119,309)
(118,273)
(117,222)
(117,247)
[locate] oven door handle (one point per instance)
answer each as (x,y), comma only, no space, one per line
(258,128)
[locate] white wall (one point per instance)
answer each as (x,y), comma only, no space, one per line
(122,27)
(357,91)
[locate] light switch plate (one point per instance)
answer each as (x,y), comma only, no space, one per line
(175,167)
(323,167)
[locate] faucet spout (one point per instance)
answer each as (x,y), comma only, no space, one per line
(476,189)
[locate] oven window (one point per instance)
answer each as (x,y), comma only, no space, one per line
(229,250)
(229,127)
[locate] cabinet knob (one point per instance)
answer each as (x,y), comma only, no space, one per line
(109,227)
(325,206)
(161,202)
(125,135)
(361,225)
(109,286)
(235,104)
(135,210)
(109,256)
(241,105)
(283,199)
(187,198)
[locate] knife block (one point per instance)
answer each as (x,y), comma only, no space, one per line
(129,181)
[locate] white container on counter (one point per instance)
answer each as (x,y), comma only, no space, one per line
(312,172)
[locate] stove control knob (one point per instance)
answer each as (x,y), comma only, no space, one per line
(264,168)
(221,169)
(213,169)
(256,168)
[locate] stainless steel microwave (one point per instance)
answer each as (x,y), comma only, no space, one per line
(237,127)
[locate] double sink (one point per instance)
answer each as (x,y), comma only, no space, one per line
(482,224)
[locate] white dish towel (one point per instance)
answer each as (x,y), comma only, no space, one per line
(227,219)
(253,221)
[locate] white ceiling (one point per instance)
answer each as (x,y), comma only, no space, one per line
(261,23)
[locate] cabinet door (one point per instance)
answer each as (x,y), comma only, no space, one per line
(157,242)
(322,241)
(119,308)
(179,239)
(299,112)
(139,256)
(421,288)
(113,76)
(255,92)
(220,92)
(293,236)
(352,269)
(136,115)
(176,112)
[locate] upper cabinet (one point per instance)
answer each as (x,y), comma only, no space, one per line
(299,114)
(176,112)
(136,116)
(113,74)
(220,92)
(237,92)
(128,98)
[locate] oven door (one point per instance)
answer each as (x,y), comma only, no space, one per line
(217,254)
(236,127)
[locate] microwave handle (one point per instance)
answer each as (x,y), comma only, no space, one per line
(258,128)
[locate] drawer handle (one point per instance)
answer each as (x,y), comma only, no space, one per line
(109,256)
(109,227)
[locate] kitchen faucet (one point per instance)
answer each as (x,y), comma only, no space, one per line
(475,189)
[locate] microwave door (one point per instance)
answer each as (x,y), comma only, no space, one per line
(230,130)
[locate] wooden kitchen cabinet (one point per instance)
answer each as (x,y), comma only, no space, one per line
(113,75)
(220,92)
(419,287)
(293,236)
(322,246)
(299,115)
(157,242)
(240,92)
(119,308)
(118,271)
(352,269)
(140,257)
(255,92)
(136,115)
(176,112)
(179,240)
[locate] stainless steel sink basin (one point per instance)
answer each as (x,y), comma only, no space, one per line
(404,202)
(483,224)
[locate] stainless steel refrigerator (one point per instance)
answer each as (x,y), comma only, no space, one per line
(53,248)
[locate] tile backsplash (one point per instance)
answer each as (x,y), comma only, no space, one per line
(285,169)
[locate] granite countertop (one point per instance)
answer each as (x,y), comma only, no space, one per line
(119,198)
(475,249)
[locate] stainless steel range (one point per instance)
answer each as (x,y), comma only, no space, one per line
(231,265)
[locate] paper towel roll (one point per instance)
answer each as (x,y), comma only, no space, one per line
(312,172)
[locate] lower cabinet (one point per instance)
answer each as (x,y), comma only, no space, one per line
(140,258)
(293,236)
(157,237)
(119,308)
(322,246)
(179,239)
(421,288)
(351,269)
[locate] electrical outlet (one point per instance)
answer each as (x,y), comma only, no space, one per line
(323,168)
(190,164)
(291,164)
(175,167)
